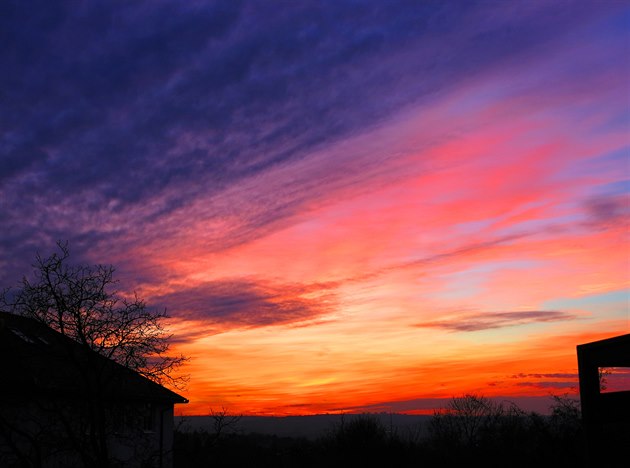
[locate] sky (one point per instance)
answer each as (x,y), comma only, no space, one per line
(343,206)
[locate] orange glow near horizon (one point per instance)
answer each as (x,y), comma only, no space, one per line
(423,288)
(356,386)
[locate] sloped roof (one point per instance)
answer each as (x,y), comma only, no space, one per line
(38,361)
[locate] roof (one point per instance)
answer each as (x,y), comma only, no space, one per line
(41,361)
(609,352)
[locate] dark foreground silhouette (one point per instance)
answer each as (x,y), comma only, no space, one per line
(472,431)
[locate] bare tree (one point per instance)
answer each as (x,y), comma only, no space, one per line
(82,302)
(465,419)
(223,420)
(566,415)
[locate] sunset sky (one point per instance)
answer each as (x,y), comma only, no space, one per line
(344,206)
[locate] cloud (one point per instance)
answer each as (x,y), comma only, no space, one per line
(490,320)
(555,375)
(607,211)
(117,115)
(553,380)
(550,384)
(226,304)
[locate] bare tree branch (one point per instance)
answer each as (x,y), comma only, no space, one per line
(82,302)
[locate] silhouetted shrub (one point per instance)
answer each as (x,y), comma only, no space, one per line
(362,432)
(355,440)
(473,429)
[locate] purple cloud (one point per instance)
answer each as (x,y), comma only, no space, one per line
(118,115)
(247,304)
(490,320)
(556,375)
(549,384)
(605,211)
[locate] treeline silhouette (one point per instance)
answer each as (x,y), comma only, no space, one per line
(471,431)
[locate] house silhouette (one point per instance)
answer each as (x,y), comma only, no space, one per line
(64,405)
(605,415)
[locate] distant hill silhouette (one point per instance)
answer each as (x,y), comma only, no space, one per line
(309,427)
(499,436)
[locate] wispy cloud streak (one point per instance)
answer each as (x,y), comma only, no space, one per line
(489,320)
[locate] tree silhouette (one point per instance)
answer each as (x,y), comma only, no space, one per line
(81,302)
(465,419)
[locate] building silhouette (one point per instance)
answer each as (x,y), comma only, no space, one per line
(64,405)
(605,415)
